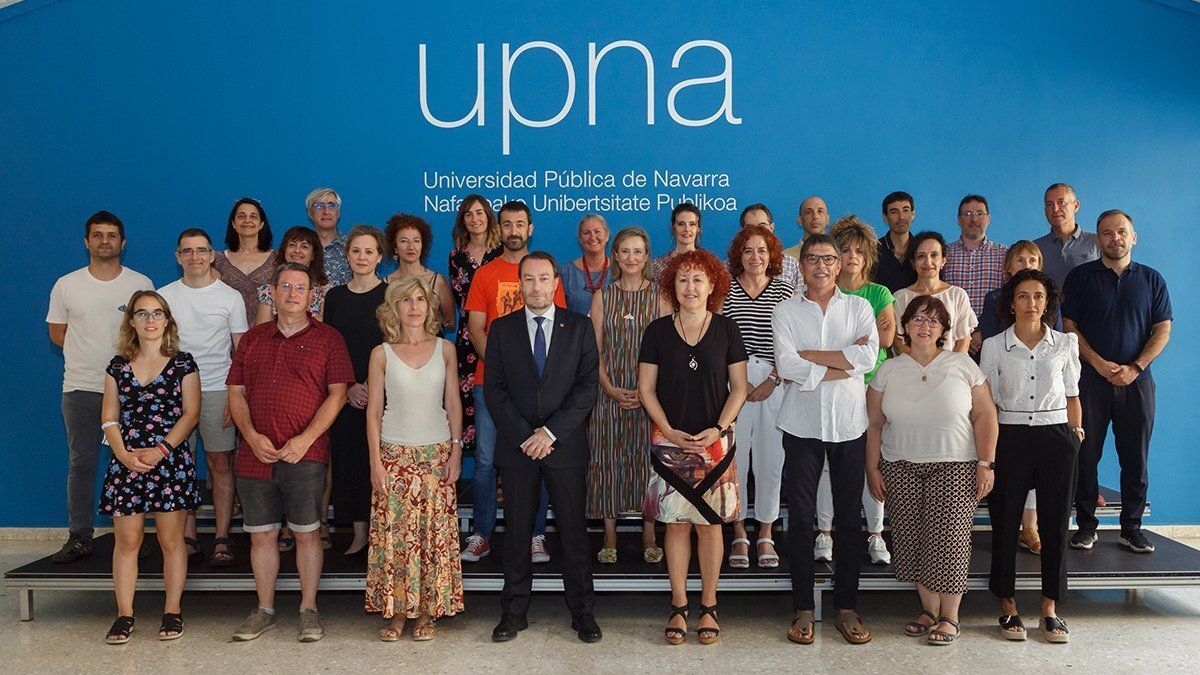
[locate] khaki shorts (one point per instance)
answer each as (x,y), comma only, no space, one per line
(211,427)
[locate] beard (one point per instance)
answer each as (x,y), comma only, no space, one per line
(514,243)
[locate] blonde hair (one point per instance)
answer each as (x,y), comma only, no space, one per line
(389,319)
(853,230)
(127,340)
(1023,246)
(629,233)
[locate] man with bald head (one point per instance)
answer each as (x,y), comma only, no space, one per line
(1066,245)
(813,218)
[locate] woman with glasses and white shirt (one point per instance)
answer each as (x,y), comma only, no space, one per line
(930,449)
(1034,374)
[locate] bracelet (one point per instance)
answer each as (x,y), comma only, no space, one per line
(162,447)
(107,425)
(456,441)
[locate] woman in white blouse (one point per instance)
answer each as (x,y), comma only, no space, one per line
(927,255)
(930,446)
(1034,376)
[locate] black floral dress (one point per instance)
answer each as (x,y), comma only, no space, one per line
(462,270)
(148,413)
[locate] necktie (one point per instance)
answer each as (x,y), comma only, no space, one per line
(539,346)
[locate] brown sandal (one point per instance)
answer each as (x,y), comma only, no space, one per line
(850,625)
(424,630)
(807,632)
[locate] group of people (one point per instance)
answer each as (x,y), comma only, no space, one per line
(858,376)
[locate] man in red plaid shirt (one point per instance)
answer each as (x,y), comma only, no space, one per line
(974,263)
(286,385)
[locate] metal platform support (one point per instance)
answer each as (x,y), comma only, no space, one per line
(26,599)
(817,604)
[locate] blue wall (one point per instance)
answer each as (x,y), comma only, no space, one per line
(165,112)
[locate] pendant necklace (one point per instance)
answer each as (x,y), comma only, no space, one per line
(692,363)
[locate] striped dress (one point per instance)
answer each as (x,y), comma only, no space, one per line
(619,465)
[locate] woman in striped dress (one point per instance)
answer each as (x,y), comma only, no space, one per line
(620,431)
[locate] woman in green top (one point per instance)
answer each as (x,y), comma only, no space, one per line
(859,252)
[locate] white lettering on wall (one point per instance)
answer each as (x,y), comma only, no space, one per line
(477,111)
(510,111)
(726,76)
(594,63)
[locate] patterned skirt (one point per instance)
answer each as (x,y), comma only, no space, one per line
(413,565)
(700,489)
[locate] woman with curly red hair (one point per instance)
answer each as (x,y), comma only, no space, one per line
(692,380)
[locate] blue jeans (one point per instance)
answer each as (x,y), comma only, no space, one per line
(483,481)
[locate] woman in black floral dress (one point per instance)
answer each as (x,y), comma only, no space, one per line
(476,243)
(151,403)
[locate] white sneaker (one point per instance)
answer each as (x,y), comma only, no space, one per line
(823,549)
(477,547)
(537,550)
(877,549)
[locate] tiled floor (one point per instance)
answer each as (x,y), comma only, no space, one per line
(1161,634)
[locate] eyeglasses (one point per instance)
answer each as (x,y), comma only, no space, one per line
(973,214)
(142,316)
(189,252)
(325,206)
(922,320)
(288,287)
(826,260)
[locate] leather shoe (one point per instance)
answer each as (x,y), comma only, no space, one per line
(586,627)
(509,626)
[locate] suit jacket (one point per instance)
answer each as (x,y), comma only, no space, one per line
(519,403)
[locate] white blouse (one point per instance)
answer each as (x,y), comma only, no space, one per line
(962,318)
(1031,386)
(928,409)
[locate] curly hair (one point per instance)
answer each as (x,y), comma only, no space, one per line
(853,230)
(316,267)
(389,319)
(932,306)
(1008,292)
(405,221)
(705,262)
(774,250)
(127,340)
(459,234)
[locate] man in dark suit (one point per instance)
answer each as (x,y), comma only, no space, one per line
(542,373)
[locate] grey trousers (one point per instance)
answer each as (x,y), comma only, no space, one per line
(81,417)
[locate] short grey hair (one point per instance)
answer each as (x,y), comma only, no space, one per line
(596,217)
(322,194)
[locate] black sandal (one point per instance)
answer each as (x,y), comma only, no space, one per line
(196,555)
(1052,623)
(676,636)
(121,629)
(941,638)
(707,636)
(172,626)
(221,558)
(918,629)
(1012,628)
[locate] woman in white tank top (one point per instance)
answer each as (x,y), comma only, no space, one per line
(414,434)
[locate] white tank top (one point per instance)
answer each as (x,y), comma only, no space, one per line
(414,413)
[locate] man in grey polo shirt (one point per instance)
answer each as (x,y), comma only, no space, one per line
(1066,245)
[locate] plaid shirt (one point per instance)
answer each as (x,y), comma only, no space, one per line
(286,380)
(976,272)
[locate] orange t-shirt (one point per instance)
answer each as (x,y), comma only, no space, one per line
(496,291)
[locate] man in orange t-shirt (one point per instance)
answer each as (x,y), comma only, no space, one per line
(495,292)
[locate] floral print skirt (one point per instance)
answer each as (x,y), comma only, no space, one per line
(413,565)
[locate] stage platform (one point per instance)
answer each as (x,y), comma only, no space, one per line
(1106,566)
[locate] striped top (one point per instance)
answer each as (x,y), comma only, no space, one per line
(753,315)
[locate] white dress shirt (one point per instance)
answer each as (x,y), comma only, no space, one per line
(834,411)
(1031,386)
(547,327)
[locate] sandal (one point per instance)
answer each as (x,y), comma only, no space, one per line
(196,555)
(171,627)
(118,634)
(807,632)
(1052,623)
(707,636)
(424,631)
(676,636)
(1030,541)
(326,539)
(607,556)
(390,633)
(941,638)
(739,561)
(221,557)
(652,554)
(767,560)
(1012,628)
(918,629)
(850,625)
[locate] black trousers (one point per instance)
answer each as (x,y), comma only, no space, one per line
(1045,458)
(522,495)
(803,461)
(1131,411)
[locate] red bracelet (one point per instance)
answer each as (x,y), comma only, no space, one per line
(163,449)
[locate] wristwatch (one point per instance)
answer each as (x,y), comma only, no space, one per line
(1078,431)
(987,465)
(775,379)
